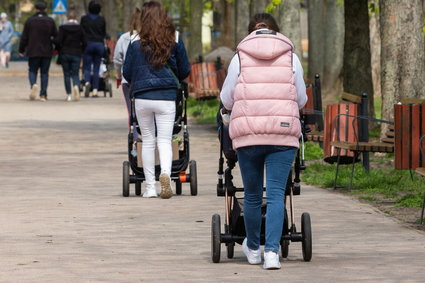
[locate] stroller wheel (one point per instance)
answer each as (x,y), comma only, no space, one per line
(215,238)
(126,179)
(193,178)
(178,187)
(306,233)
(138,188)
(230,249)
(284,245)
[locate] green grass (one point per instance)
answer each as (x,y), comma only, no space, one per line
(203,111)
(375,185)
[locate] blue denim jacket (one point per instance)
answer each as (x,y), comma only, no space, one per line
(158,84)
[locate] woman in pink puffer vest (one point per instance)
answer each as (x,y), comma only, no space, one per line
(264,89)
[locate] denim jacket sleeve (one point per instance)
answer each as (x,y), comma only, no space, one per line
(183,66)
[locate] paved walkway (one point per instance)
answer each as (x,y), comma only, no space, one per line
(63,217)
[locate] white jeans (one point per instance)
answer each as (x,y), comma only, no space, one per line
(160,112)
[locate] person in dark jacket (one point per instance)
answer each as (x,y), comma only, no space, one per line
(94,27)
(37,44)
(71,42)
(154,63)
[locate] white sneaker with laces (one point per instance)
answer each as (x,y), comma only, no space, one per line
(253,256)
(68,97)
(271,260)
(150,193)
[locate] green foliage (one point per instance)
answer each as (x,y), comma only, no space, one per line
(272,6)
(374,7)
(375,185)
(204,111)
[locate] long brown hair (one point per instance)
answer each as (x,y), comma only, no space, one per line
(135,21)
(157,34)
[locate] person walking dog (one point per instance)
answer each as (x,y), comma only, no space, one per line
(264,89)
(155,61)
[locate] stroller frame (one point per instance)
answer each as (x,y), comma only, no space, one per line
(178,167)
(232,230)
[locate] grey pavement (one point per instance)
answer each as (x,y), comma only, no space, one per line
(63,218)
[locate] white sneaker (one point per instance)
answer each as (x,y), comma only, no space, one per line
(34,91)
(150,193)
(165,181)
(87,89)
(271,260)
(253,256)
(76,92)
(68,97)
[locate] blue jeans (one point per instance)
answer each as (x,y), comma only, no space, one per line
(42,63)
(71,67)
(91,59)
(278,161)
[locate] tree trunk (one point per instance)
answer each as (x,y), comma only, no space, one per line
(242,19)
(195,29)
(334,49)
(316,34)
(258,6)
(357,64)
(402,53)
(289,14)
(227,24)
(375,52)
(109,13)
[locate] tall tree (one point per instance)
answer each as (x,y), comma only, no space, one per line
(195,29)
(289,22)
(316,34)
(334,48)
(258,6)
(357,65)
(402,52)
(242,19)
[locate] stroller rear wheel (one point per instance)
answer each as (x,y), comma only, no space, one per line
(126,179)
(284,245)
(215,238)
(178,187)
(306,234)
(193,178)
(138,188)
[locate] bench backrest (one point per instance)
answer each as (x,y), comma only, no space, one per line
(312,111)
(341,128)
(409,124)
(203,81)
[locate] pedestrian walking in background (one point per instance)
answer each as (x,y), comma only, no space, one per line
(70,43)
(155,61)
(94,27)
(37,44)
(265,90)
(6,33)
(119,55)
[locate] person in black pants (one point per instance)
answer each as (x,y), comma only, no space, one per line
(71,42)
(94,27)
(37,42)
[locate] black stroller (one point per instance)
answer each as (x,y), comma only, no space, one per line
(234,227)
(181,158)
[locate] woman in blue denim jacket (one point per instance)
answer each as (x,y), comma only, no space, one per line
(155,61)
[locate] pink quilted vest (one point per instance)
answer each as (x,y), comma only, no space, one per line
(265,109)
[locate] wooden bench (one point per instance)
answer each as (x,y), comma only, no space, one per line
(312,114)
(203,83)
(409,125)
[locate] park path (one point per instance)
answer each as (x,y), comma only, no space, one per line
(63,217)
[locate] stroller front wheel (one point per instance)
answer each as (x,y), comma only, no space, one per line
(215,238)
(306,234)
(126,179)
